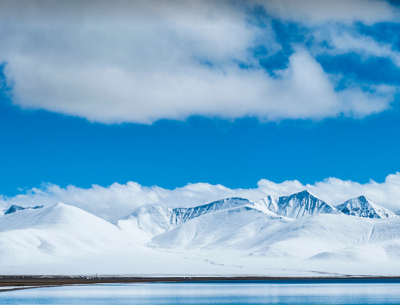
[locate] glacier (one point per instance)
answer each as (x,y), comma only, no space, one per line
(296,235)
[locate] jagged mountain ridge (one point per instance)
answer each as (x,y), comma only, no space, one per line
(329,234)
(363,207)
(155,220)
(149,222)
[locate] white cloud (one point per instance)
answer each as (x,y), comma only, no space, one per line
(142,61)
(117,201)
(325,11)
(386,194)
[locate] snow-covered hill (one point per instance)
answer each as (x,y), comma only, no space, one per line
(62,239)
(363,207)
(57,231)
(297,234)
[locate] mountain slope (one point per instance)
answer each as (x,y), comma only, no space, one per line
(217,230)
(248,232)
(363,207)
(148,222)
(62,239)
(152,221)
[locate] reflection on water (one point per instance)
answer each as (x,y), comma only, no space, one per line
(210,293)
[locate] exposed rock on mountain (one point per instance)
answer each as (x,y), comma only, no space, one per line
(16,208)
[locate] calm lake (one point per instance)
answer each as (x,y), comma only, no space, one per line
(211,293)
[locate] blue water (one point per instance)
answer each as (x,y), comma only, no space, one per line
(210,293)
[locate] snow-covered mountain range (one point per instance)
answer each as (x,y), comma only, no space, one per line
(289,235)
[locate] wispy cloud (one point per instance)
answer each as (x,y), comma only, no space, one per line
(363,45)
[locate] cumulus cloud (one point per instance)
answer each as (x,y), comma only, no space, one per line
(142,61)
(117,201)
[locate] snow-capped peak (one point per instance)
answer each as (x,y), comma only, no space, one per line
(363,207)
(298,205)
(306,193)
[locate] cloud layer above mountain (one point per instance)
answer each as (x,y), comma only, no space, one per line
(141,61)
(118,200)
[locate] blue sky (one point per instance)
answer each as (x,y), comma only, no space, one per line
(40,147)
(181,95)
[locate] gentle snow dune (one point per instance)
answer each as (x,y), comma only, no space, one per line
(360,253)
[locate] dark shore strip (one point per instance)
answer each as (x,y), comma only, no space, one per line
(27,281)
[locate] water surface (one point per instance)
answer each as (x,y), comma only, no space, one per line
(210,293)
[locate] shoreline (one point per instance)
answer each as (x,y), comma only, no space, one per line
(30,282)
